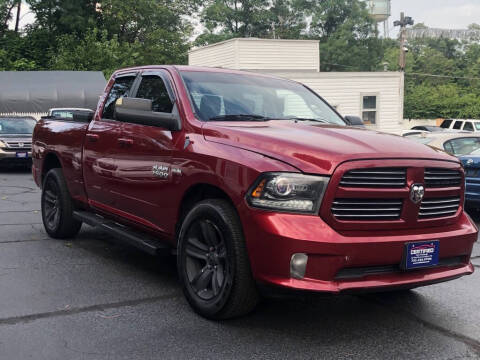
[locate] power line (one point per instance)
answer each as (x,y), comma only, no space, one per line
(443,76)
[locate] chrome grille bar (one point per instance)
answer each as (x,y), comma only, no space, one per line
(440,207)
(366,209)
(435,177)
(375,177)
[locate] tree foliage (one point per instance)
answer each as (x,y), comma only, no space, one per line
(109,34)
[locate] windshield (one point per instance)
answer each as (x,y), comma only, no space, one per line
(66,114)
(234,97)
(10,126)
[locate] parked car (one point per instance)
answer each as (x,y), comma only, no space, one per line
(64,113)
(16,140)
(471,163)
(466,125)
(253,182)
(454,143)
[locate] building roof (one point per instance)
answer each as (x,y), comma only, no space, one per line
(38,91)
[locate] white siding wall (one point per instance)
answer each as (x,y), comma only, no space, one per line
(291,55)
(223,54)
(259,54)
(344,90)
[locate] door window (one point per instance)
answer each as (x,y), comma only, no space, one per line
(120,88)
(446,124)
(153,88)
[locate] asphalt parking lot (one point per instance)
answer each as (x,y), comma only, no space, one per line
(91,298)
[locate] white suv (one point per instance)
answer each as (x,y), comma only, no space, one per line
(465,125)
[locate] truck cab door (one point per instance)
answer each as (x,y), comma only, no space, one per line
(102,147)
(144,162)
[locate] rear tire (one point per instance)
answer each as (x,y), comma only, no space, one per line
(213,264)
(57,207)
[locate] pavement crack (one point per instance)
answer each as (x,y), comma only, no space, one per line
(79,310)
(471,342)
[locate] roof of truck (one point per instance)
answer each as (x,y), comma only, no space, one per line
(39,91)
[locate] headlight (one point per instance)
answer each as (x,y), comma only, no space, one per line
(288,192)
(2,144)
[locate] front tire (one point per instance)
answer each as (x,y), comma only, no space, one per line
(213,263)
(57,207)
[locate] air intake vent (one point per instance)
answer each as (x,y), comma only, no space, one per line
(439,207)
(442,178)
(367,209)
(375,178)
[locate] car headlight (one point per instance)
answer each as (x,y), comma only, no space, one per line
(2,144)
(289,192)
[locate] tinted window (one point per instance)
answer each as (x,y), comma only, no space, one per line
(462,146)
(153,88)
(446,124)
(457,125)
(120,88)
(419,128)
(16,126)
(223,96)
(468,126)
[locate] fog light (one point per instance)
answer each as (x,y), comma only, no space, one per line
(298,265)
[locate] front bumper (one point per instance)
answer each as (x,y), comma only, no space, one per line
(272,239)
(10,157)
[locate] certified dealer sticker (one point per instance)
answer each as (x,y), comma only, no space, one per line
(421,254)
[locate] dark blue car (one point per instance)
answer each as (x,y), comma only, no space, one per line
(471,164)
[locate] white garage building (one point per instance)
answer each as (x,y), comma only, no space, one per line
(377,97)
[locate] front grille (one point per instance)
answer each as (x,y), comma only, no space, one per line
(367,209)
(438,207)
(18,146)
(375,177)
(442,177)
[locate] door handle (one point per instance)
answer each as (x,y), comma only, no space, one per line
(93,137)
(125,142)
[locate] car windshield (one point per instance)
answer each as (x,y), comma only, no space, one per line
(11,126)
(234,97)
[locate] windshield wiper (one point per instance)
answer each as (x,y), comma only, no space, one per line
(307,119)
(239,117)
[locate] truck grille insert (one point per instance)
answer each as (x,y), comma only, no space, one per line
(367,209)
(375,178)
(442,177)
(439,207)
(18,145)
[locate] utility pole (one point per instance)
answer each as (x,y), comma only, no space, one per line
(403,22)
(17,22)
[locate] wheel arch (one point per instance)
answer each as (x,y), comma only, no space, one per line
(51,161)
(196,193)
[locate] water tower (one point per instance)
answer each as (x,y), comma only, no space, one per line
(380,11)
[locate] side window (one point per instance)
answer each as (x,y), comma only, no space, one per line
(457,125)
(153,88)
(446,124)
(120,88)
(468,126)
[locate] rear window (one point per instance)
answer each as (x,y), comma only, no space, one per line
(446,124)
(62,114)
(12,126)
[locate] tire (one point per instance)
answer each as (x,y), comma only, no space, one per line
(57,207)
(213,264)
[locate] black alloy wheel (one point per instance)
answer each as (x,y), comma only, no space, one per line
(52,205)
(213,263)
(206,266)
(57,207)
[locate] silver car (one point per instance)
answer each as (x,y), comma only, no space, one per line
(16,140)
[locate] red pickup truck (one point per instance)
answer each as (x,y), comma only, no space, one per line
(254,182)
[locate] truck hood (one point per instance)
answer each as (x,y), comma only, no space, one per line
(317,148)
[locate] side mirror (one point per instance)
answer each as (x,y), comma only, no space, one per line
(354,121)
(139,111)
(83,115)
